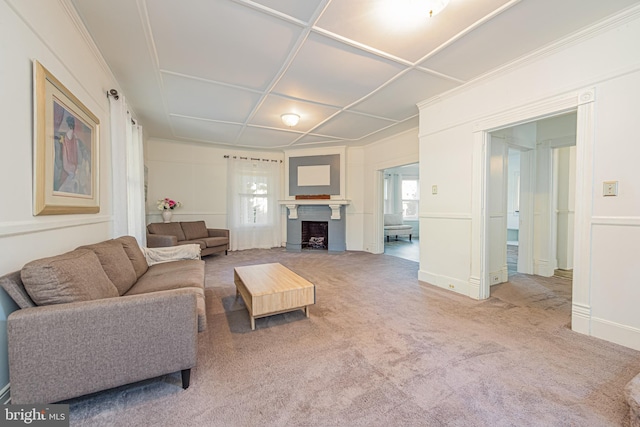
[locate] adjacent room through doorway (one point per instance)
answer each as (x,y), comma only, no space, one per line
(401,195)
(531,199)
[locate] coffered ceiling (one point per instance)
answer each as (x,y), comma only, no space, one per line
(224,71)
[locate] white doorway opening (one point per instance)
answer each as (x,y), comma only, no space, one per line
(583,104)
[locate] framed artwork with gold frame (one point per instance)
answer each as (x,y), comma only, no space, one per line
(65,149)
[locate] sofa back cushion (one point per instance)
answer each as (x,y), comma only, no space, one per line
(135,254)
(392,219)
(115,263)
(70,277)
(166,228)
(12,283)
(194,230)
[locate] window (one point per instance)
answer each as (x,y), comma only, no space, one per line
(410,198)
(253,209)
(254,206)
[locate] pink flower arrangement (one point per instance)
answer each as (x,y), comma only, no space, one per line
(167,203)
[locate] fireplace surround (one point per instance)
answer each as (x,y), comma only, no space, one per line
(330,212)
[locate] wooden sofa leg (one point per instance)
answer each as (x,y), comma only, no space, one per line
(225,251)
(186,378)
(409,237)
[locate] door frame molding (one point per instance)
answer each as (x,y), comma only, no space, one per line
(583,102)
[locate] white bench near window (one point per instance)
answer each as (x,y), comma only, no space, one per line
(393,226)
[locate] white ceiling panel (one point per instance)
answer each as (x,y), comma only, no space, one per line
(382,24)
(201,99)
(274,106)
(238,65)
(302,10)
(142,86)
(398,100)
(266,138)
(352,126)
(204,130)
(510,37)
(220,40)
(333,73)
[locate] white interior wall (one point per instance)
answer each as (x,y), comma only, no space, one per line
(395,151)
(497,210)
(50,33)
(604,61)
(355,193)
(565,165)
(513,191)
(194,174)
(544,262)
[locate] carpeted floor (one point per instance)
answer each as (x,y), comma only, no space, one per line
(381,350)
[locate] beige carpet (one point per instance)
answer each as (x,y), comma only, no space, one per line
(381,350)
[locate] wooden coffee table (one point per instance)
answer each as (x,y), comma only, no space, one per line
(269,289)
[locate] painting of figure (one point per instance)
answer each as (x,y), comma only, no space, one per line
(65,150)
(72,159)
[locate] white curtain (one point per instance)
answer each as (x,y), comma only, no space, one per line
(127,173)
(253,209)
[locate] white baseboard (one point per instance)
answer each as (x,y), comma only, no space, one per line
(5,395)
(542,267)
(446,282)
(581,318)
(616,332)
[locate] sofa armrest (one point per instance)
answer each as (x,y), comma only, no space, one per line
(161,240)
(61,351)
(218,232)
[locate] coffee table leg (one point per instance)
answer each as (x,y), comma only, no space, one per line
(306,310)
(253,323)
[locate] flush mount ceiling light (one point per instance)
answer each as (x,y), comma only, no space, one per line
(435,6)
(290,119)
(406,15)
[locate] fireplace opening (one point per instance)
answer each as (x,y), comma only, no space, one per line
(315,235)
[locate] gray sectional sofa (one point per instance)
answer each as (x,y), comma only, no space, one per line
(100,317)
(211,240)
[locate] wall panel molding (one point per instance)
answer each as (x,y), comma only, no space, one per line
(17,228)
(628,221)
(446,215)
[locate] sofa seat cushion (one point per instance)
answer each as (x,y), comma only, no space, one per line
(175,275)
(115,263)
(194,230)
(397,227)
(70,277)
(170,228)
(212,242)
(135,254)
(170,275)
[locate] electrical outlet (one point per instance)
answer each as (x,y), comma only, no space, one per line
(610,188)
(451,286)
(495,279)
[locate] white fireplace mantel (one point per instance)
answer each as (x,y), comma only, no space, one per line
(293,204)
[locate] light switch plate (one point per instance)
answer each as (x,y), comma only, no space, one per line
(610,188)
(434,189)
